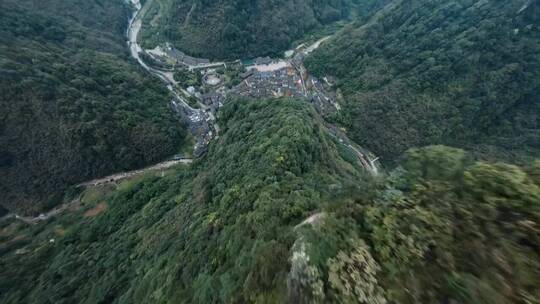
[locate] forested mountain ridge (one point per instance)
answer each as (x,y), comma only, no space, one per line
(227,29)
(463,73)
(282,207)
(74,106)
(275,213)
(217,231)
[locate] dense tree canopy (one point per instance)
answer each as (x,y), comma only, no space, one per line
(217,232)
(275,214)
(463,72)
(278,210)
(228,29)
(73,105)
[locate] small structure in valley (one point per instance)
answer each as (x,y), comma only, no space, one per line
(212,79)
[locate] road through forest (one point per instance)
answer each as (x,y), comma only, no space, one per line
(368,161)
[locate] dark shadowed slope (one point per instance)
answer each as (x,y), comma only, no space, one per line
(73,104)
(464,73)
(228,29)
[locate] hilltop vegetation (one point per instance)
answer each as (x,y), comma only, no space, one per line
(278,210)
(228,29)
(462,73)
(73,104)
(231,228)
(219,231)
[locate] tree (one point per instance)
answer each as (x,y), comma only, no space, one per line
(353,277)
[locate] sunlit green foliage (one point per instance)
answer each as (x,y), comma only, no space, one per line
(469,235)
(273,214)
(187,78)
(220,231)
(353,277)
(277,211)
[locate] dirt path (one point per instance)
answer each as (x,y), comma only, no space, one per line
(313,220)
(188,17)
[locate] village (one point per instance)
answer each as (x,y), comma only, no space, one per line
(208,85)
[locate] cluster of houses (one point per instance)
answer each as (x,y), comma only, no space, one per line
(277,83)
(214,100)
(264,78)
(281,82)
(323,100)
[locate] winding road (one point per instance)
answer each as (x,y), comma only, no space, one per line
(134,27)
(195,115)
(111,179)
(368,161)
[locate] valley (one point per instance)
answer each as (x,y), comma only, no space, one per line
(261,78)
(239,151)
(265,78)
(75,106)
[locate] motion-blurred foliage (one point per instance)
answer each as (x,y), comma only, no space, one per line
(273,214)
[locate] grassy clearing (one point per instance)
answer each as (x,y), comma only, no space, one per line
(98,209)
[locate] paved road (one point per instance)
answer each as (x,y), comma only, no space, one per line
(123,175)
(31,220)
(368,161)
(134,27)
(201,124)
(315,45)
(111,179)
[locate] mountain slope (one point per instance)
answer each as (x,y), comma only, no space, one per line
(275,214)
(74,106)
(228,29)
(278,210)
(463,73)
(219,231)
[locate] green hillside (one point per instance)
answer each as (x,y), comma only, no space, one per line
(279,209)
(74,106)
(221,230)
(275,213)
(228,29)
(463,73)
